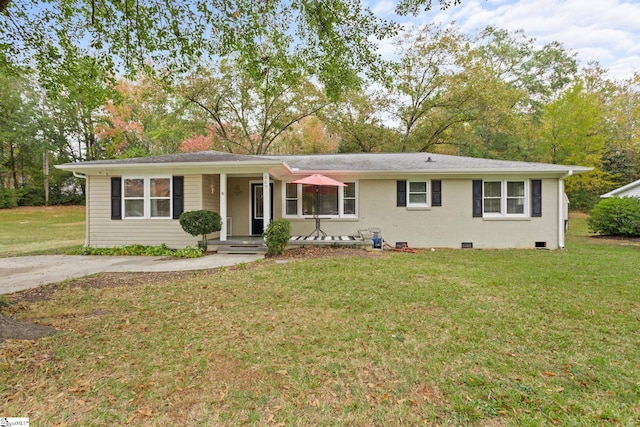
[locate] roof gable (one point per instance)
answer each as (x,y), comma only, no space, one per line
(631,189)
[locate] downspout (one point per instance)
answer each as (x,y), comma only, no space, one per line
(86,206)
(561,218)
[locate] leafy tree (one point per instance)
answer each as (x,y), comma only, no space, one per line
(18,128)
(309,135)
(543,72)
(143,118)
(428,95)
(76,94)
(573,132)
(357,119)
(573,128)
(622,156)
(247,113)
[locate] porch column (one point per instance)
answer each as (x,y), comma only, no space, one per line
(266,197)
(223,206)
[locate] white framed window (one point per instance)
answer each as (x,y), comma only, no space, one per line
(307,200)
(349,200)
(418,194)
(291,199)
(504,198)
(146,197)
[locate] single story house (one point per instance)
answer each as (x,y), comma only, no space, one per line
(629,190)
(426,200)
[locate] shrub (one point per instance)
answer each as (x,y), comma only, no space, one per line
(31,196)
(201,223)
(616,216)
(139,250)
(277,236)
(7,198)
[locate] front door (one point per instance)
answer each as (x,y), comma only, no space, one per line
(257,208)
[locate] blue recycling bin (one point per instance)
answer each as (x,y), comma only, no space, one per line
(377,238)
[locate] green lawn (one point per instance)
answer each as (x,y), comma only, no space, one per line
(451,337)
(38,230)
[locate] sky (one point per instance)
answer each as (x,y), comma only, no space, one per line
(606,31)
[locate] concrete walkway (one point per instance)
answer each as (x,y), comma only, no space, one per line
(19,273)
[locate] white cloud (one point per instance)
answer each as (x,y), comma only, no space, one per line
(606,31)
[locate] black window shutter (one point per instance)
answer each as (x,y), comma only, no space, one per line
(477,198)
(436,192)
(536,197)
(401,193)
(116,197)
(178,196)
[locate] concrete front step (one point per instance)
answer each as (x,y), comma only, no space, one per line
(242,249)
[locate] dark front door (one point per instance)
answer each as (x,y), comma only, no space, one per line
(257,208)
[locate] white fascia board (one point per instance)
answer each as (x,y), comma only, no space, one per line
(466,173)
(182,167)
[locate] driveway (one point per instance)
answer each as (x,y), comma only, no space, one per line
(19,273)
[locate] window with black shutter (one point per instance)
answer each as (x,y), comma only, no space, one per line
(116,197)
(178,196)
(401,193)
(536,198)
(436,192)
(477,198)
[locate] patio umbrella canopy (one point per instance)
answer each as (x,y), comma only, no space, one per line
(318,180)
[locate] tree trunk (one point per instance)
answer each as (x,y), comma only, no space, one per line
(14,166)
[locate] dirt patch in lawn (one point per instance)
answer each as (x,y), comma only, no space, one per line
(616,240)
(10,328)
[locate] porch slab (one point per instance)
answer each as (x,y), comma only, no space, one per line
(256,244)
(328,241)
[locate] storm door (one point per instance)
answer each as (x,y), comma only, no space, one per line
(257,208)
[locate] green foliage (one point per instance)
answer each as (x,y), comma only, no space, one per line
(201,223)
(246,113)
(30,196)
(7,198)
(616,216)
(334,41)
(140,250)
(277,236)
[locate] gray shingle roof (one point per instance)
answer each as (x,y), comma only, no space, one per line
(411,162)
(196,157)
(354,162)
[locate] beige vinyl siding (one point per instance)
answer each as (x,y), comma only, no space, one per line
(105,232)
(211,192)
(445,226)
(211,197)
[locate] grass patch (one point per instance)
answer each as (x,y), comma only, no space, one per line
(41,230)
(451,337)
